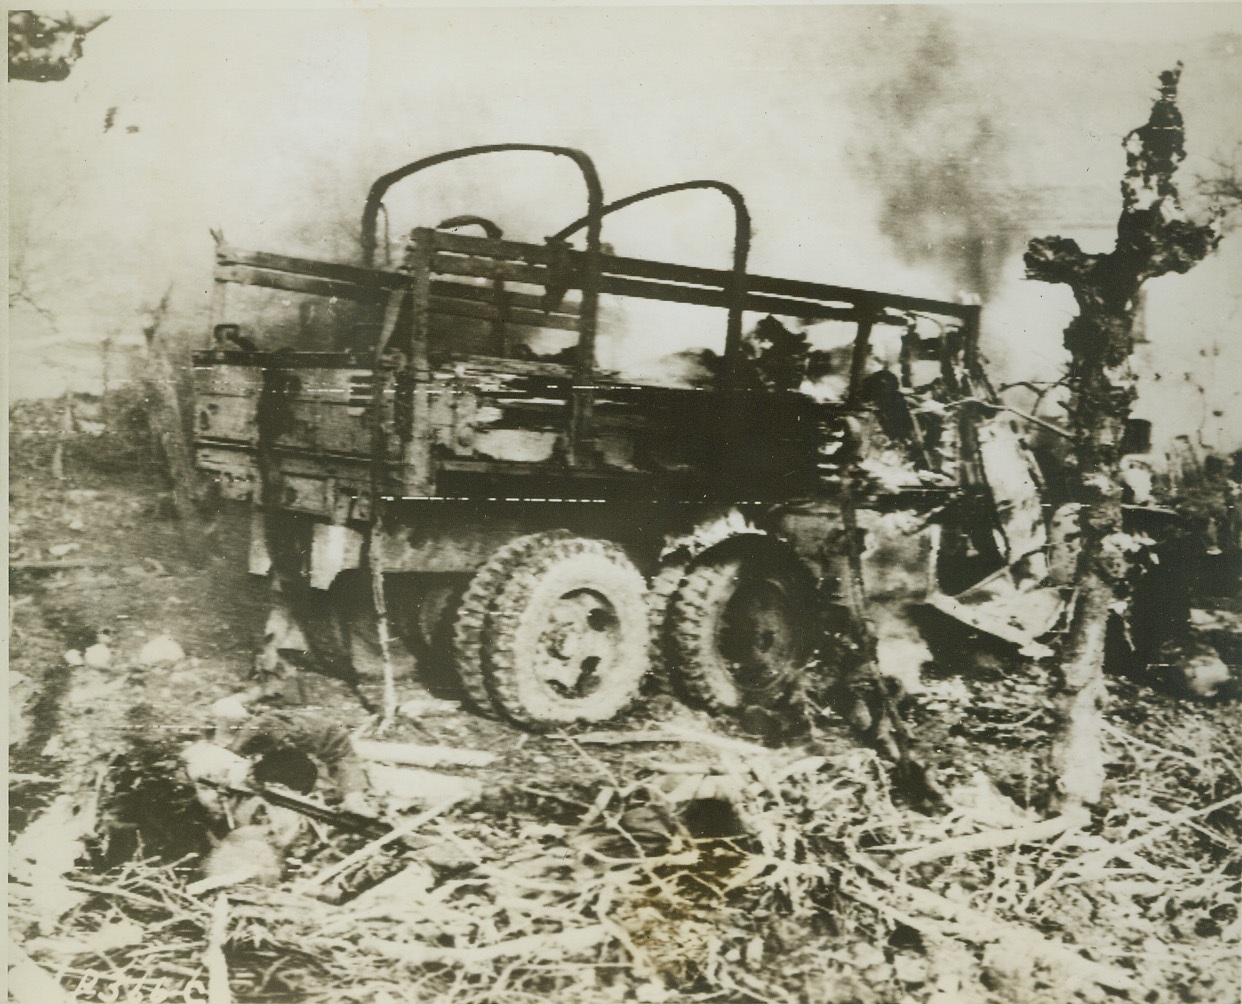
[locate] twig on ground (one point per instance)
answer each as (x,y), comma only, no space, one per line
(416,755)
(598,764)
(1121,734)
(982,928)
(133,896)
(392,836)
(624,738)
(213,882)
(552,795)
(995,839)
(52,566)
(218,991)
(562,942)
(602,798)
(1091,864)
(675,734)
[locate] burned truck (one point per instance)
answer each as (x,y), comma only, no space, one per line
(441,426)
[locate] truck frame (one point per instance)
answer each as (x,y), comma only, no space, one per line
(572,528)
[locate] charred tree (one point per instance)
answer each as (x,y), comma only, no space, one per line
(1154,238)
(42,47)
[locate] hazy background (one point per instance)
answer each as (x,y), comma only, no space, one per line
(909,149)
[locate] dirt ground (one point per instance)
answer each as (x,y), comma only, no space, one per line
(811,890)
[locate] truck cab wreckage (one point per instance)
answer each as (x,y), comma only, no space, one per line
(445,422)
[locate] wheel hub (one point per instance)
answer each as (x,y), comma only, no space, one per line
(759,634)
(576,647)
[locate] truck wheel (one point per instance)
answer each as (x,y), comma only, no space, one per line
(477,603)
(660,592)
(741,632)
(568,637)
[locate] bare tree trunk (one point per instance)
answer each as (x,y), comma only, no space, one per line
(1078,753)
(164,417)
(1153,238)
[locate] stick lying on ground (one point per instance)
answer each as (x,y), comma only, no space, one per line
(958,920)
(218,991)
(415,755)
(552,944)
(1044,829)
(393,836)
(52,566)
(354,822)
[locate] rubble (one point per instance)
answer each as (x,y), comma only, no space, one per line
(160,651)
(98,656)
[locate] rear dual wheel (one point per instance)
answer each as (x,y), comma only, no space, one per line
(741,631)
(556,629)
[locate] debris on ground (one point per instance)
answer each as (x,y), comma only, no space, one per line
(427,707)
(416,755)
(98,656)
(767,876)
(662,857)
(160,651)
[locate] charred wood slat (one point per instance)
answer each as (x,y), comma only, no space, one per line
(489,268)
(487,312)
(486,258)
(363,277)
(488,370)
(207,359)
(707,297)
(510,297)
(292,282)
(503,250)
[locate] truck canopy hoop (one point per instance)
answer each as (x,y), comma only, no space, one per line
(489,227)
(595,202)
(580,410)
(741,249)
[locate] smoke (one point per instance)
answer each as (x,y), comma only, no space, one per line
(936,152)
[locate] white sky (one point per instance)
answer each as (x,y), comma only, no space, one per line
(271,124)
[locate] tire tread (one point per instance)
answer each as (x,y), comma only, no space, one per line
(473,613)
(503,665)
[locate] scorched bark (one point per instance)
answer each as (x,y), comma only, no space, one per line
(1154,238)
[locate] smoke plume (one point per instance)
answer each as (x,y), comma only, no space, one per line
(937,154)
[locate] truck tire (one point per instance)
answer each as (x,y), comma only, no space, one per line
(741,631)
(660,592)
(568,637)
(471,623)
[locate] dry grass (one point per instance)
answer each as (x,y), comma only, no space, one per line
(801,891)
